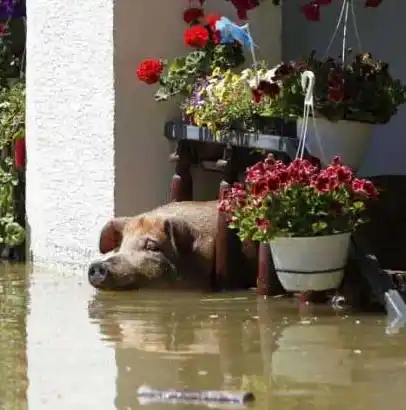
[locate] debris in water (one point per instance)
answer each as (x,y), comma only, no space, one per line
(148,395)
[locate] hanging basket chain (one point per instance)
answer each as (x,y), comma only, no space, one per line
(343,19)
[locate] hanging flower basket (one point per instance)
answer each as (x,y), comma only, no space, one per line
(348,139)
(352,92)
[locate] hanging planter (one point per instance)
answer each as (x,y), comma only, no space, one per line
(352,93)
(348,139)
(305,213)
(310,263)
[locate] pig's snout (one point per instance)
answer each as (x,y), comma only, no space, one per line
(98,274)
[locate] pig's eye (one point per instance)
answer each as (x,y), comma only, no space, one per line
(151,245)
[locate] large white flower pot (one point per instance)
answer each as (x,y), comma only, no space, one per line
(348,139)
(310,263)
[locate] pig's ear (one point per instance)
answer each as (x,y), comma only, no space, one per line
(180,235)
(111,234)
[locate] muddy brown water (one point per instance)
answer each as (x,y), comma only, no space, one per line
(65,346)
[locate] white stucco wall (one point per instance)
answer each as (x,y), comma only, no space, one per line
(381,31)
(95,143)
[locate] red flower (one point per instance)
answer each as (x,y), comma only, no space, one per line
(335,95)
(149,71)
(243,6)
(192,14)
(260,188)
(265,88)
(311,11)
(256,96)
(372,3)
(212,19)
(19,153)
(262,224)
(3,30)
(322,183)
(364,187)
(196,36)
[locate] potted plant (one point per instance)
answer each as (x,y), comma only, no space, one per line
(351,94)
(208,51)
(306,214)
(348,101)
(224,102)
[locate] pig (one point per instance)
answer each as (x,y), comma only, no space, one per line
(172,246)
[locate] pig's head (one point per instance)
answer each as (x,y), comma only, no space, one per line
(150,251)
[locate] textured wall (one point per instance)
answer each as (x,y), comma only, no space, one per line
(70,126)
(94,134)
(380,30)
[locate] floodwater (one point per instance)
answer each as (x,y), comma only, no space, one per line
(65,346)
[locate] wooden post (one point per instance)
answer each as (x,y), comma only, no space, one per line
(182,181)
(268,283)
(228,245)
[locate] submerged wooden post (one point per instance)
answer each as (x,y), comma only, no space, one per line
(268,283)
(228,245)
(182,181)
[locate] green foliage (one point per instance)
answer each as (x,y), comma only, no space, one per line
(183,72)
(297,200)
(363,90)
(299,212)
(12,127)
(223,102)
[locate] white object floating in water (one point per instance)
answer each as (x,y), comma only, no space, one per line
(147,395)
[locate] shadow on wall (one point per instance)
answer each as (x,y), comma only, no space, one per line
(380,30)
(143,172)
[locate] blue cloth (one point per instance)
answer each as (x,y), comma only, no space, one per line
(230,32)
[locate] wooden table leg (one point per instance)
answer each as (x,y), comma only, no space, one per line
(228,245)
(268,283)
(182,181)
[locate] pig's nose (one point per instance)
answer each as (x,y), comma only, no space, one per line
(98,273)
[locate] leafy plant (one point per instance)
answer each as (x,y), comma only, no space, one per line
(12,127)
(221,102)
(179,76)
(363,90)
(296,200)
(183,72)
(226,101)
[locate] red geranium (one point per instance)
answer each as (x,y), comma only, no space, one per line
(19,153)
(150,70)
(298,199)
(192,14)
(243,6)
(211,21)
(196,36)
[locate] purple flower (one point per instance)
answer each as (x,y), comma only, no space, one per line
(12,9)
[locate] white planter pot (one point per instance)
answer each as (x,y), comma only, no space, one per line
(348,139)
(313,263)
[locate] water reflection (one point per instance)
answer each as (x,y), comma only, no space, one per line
(13,338)
(291,359)
(90,350)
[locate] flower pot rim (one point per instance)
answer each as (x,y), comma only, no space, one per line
(311,237)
